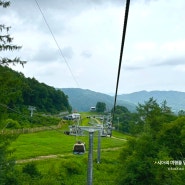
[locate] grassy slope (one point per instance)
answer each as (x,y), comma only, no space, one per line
(59,167)
(68,168)
(54,142)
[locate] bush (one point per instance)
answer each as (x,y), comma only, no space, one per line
(10,123)
(73,167)
(31,170)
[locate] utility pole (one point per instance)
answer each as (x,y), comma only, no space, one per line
(90,159)
(99,146)
(91,131)
(31,108)
(99,133)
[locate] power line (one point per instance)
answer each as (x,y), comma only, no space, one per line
(13,110)
(121,51)
(25,116)
(55,40)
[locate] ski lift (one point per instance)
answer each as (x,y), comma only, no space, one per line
(79,148)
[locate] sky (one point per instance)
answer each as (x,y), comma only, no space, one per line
(76,43)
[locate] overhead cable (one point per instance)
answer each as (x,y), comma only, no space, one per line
(55,40)
(121,51)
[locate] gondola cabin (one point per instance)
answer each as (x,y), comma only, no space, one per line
(79,148)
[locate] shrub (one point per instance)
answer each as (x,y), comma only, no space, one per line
(31,170)
(10,123)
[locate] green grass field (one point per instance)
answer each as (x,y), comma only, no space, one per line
(73,169)
(55,142)
(51,152)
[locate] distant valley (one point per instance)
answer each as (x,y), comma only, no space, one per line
(82,99)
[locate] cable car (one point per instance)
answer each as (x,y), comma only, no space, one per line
(79,148)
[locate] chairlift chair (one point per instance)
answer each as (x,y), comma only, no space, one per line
(79,148)
(104,133)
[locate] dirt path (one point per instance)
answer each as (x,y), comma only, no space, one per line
(39,158)
(121,139)
(42,158)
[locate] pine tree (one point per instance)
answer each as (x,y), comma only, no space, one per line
(6,42)
(6,163)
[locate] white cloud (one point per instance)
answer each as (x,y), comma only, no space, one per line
(89,33)
(177,47)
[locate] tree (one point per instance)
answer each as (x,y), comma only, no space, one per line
(6,45)
(6,42)
(100,107)
(172,136)
(146,158)
(181,113)
(153,115)
(6,163)
(137,163)
(122,118)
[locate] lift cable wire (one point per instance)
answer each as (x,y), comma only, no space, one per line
(55,40)
(13,110)
(121,52)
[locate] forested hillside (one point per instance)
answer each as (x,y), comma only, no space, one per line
(83,99)
(18,91)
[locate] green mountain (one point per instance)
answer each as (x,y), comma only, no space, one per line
(175,99)
(82,99)
(17,91)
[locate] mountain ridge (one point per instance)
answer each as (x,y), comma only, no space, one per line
(83,99)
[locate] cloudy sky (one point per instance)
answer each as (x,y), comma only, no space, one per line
(77,43)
